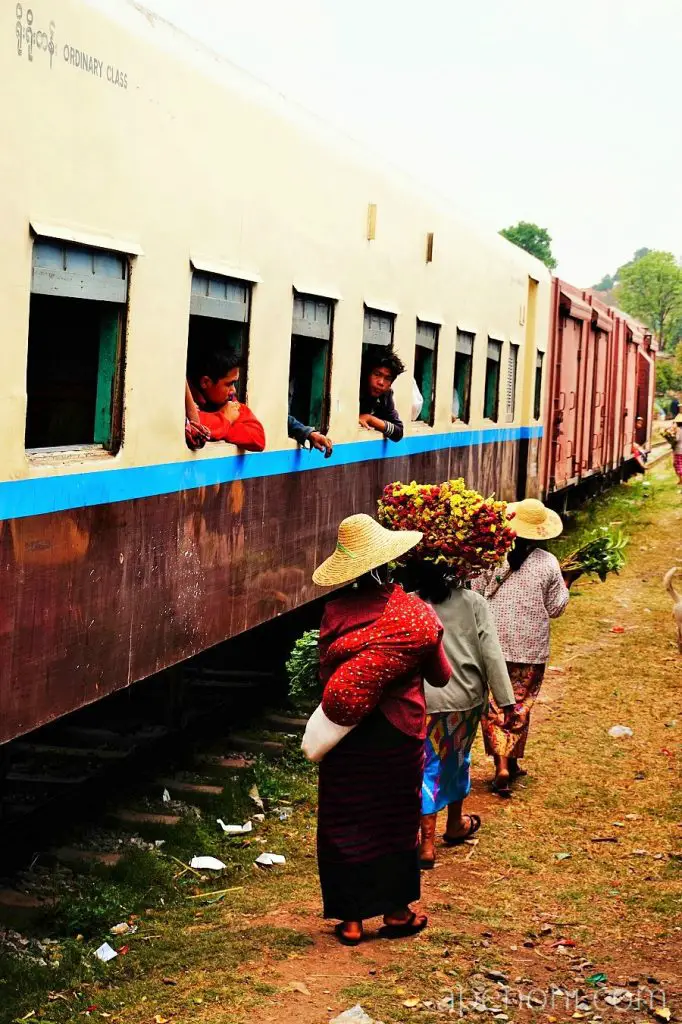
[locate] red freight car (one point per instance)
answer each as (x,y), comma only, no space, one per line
(601,378)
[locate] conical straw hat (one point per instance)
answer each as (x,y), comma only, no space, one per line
(533,520)
(362,544)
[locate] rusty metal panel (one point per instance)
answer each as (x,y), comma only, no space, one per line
(99,597)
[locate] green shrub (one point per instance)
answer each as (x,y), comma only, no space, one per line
(303,671)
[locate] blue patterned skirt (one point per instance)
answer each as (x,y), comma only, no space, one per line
(449,738)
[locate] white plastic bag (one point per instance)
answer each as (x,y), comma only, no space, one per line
(321,735)
(417,400)
(618,732)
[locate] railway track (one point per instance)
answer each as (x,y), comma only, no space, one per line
(78,790)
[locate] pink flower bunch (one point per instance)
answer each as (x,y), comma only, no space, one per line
(462,529)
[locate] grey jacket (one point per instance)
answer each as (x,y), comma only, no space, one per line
(474,652)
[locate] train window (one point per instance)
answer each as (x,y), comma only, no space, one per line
(512,369)
(492,380)
(425,363)
(219,314)
(310,361)
(377,328)
(75,346)
(461,392)
(537,396)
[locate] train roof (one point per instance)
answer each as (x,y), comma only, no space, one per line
(163,34)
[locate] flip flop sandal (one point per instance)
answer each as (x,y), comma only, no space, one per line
(474,825)
(400,931)
(518,773)
(503,791)
(344,939)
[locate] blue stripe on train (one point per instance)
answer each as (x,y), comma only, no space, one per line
(20,498)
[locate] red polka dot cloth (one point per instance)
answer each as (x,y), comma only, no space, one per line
(366,660)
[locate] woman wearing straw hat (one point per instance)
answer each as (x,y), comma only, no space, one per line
(376,645)
(524,595)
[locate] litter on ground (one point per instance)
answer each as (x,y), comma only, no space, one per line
(266,860)
(207,864)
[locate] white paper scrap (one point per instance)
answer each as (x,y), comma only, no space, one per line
(235,830)
(207,863)
(266,860)
(105,952)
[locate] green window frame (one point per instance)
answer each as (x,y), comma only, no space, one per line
(425,368)
(310,360)
(79,297)
(220,318)
(491,400)
(461,390)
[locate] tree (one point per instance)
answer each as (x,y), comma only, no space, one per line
(668,375)
(605,285)
(650,289)
(533,239)
(609,282)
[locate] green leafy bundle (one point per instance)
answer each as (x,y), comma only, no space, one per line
(670,435)
(303,671)
(599,556)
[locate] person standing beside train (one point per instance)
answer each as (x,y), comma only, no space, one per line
(677,449)
(524,594)
(377,408)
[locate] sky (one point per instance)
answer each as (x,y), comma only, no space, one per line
(565,114)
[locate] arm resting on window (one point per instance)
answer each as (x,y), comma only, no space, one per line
(298,431)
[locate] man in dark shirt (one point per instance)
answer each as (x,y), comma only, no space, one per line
(377,409)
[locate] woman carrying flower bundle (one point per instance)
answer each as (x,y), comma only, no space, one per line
(454,711)
(524,595)
(376,645)
(464,534)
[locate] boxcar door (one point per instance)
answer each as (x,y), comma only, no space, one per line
(587,404)
(597,453)
(629,406)
(566,417)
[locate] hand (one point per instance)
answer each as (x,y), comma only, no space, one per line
(370,422)
(231,412)
(508,715)
(571,576)
(321,443)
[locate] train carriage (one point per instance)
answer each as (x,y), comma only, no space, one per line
(153,194)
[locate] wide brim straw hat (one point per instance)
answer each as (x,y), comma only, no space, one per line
(362,544)
(534,521)
(678,419)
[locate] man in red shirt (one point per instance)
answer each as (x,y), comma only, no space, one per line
(211,401)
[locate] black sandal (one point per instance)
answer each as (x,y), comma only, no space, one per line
(407,928)
(474,825)
(503,790)
(344,939)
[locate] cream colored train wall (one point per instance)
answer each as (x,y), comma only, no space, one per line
(161,145)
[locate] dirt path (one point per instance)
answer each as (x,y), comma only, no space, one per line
(588,851)
(576,880)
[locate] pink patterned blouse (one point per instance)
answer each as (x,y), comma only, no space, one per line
(523,605)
